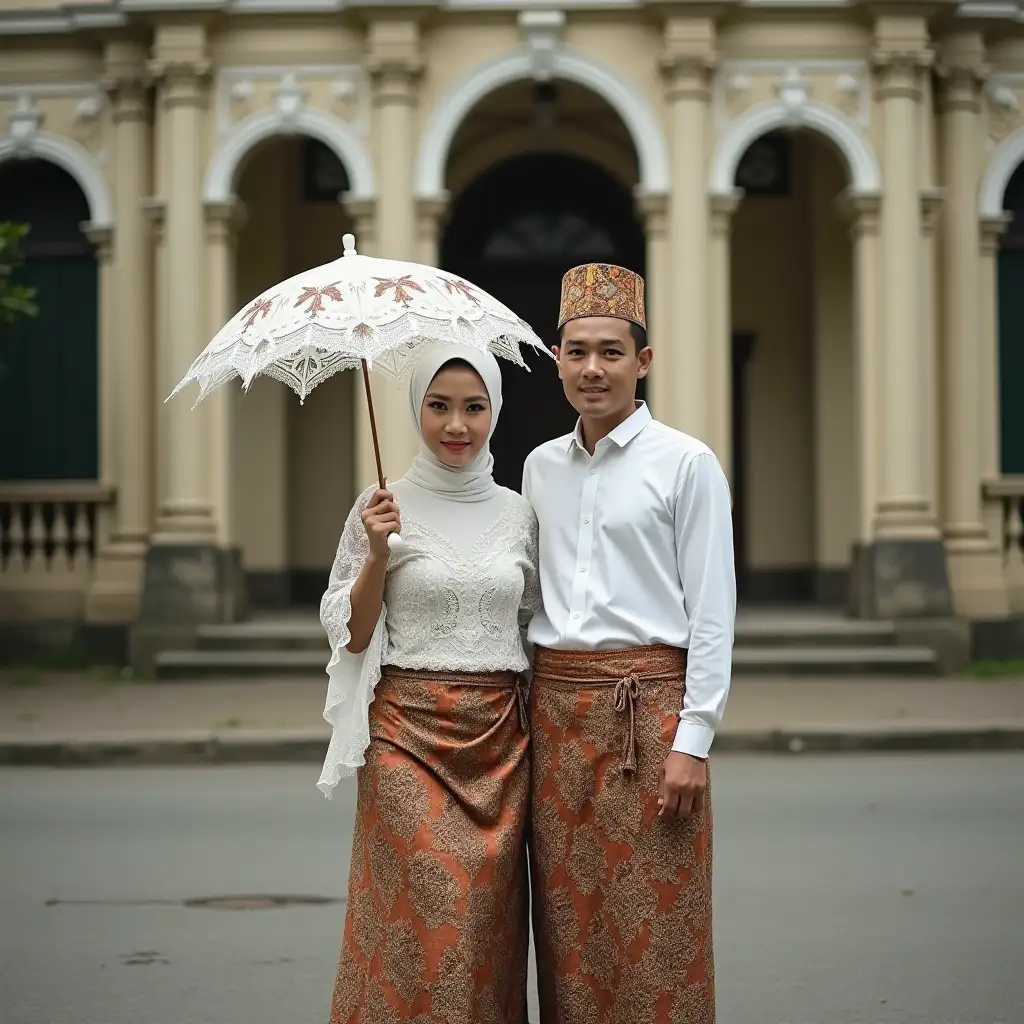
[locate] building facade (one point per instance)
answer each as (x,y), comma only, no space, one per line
(821,197)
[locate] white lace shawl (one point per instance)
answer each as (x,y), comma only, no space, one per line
(465,592)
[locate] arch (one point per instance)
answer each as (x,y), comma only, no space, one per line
(865,176)
(639,119)
(1009,155)
(74,159)
(219,183)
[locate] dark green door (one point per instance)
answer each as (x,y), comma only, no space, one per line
(1011,359)
(49,401)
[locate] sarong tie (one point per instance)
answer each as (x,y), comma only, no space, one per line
(524,718)
(627,689)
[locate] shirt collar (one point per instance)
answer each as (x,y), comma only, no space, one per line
(622,434)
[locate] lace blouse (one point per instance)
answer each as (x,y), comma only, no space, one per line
(458,599)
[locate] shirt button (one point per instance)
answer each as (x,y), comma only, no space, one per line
(593,472)
(586,519)
(575,615)
(583,568)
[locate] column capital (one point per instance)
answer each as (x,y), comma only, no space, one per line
(154,209)
(960,84)
(862,211)
(653,207)
(364,219)
(723,205)
(932,200)
(182,82)
(686,75)
(126,81)
(431,212)
(900,72)
(992,229)
(101,238)
(224,220)
(395,59)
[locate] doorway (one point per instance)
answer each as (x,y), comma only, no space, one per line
(514,232)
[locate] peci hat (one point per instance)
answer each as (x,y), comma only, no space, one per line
(602,289)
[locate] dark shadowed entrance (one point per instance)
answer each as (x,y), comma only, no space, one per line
(514,232)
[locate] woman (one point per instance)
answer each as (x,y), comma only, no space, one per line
(437,921)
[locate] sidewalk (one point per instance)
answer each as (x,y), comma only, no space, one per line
(65,719)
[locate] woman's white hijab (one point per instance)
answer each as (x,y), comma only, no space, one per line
(474,481)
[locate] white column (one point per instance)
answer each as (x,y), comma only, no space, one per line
(223,221)
(862,211)
(720,437)
(686,65)
(658,298)
(179,65)
(931,209)
(903,510)
(430,218)
(992,229)
(126,395)
(396,68)
(979,590)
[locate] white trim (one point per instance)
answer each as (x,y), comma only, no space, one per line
(74,159)
(219,182)
(1008,156)
(639,119)
(993,10)
(865,176)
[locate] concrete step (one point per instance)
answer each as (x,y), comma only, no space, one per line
(835,661)
(819,661)
(296,633)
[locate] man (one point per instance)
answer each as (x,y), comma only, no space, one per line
(632,671)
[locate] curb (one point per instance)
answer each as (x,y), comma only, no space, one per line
(238,747)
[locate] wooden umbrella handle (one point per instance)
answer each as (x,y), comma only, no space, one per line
(395,542)
(373,424)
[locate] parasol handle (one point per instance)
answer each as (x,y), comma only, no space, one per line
(395,542)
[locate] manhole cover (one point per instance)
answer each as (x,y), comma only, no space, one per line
(257,902)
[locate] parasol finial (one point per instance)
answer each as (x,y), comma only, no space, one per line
(348,241)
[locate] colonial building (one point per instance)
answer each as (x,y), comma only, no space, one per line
(820,195)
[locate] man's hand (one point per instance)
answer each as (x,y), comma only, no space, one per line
(683,781)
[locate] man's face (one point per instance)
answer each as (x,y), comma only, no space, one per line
(599,365)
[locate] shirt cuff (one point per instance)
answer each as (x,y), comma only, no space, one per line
(693,739)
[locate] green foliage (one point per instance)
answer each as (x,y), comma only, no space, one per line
(16,300)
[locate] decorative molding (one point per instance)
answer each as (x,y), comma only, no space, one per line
(1002,95)
(26,140)
(101,238)
(290,97)
(992,10)
(236,86)
(219,181)
(543,33)
(644,126)
(1008,156)
(863,169)
(653,207)
(736,77)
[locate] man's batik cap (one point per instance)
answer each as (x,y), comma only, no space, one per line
(602,289)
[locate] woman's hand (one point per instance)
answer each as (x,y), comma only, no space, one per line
(380,518)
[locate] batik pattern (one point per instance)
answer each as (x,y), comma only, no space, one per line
(622,899)
(436,930)
(602,289)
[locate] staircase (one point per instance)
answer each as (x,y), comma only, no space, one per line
(768,641)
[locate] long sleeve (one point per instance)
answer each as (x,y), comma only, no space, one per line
(351,677)
(532,601)
(707,571)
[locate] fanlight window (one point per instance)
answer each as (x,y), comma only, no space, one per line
(549,236)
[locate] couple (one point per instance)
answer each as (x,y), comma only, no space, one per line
(612,578)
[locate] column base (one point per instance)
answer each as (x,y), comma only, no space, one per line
(976,576)
(900,579)
(113,597)
(184,522)
(185,585)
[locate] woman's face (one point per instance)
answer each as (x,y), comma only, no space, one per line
(455,417)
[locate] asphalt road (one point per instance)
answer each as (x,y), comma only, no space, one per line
(860,890)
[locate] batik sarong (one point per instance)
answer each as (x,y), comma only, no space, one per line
(621,898)
(436,929)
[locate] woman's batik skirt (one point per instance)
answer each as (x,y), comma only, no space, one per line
(622,899)
(437,924)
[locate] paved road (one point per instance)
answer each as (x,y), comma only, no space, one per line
(863,890)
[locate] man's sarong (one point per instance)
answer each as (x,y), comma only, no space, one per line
(437,924)
(621,898)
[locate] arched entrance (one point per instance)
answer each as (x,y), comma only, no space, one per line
(522,219)
(49,363)
(1011,329)
(293,467)
(796,485)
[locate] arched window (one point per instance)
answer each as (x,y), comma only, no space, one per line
(48,364)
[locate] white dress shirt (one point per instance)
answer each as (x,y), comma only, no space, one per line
(636,548)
